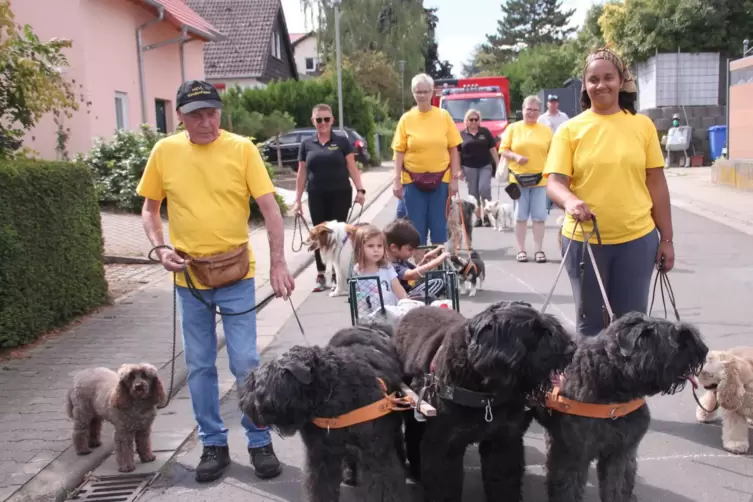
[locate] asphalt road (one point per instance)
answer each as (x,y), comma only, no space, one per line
(679,459)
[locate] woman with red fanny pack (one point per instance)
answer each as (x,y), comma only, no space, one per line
(427,162)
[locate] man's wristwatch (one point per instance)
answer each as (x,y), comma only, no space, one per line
(361,191)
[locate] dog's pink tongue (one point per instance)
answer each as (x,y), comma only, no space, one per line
(693,381)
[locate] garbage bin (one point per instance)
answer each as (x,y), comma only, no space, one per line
(717,139)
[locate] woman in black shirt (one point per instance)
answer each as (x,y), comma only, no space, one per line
(478,154)
(326,163)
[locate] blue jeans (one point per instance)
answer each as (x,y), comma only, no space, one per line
(199,328)
(626,270)
(532,204)
(402,212)
(426,211)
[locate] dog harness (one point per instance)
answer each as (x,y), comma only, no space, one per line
(562,404)
(378,409)
(458,395)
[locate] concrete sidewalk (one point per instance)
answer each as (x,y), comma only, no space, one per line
(37,461)
(692,189)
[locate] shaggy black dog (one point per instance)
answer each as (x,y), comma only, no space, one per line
(305,383)
(484,371)
(636,356)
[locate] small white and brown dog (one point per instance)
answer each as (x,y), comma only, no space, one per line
(500,215)
(727,376)
(334,240)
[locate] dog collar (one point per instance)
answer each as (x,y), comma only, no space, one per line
(555,401)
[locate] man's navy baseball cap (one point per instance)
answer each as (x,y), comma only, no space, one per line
(196,94)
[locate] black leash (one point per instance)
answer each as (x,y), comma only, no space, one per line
(661,282)
(299,218)
(350,213)
(195,293)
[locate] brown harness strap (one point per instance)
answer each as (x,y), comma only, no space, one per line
(556,402)
(378,409)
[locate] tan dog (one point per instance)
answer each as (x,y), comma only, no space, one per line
(334,240)
(127,399)
(727,376)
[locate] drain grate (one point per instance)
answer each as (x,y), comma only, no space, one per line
(123,488)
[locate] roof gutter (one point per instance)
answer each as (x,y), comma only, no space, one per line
(140,49)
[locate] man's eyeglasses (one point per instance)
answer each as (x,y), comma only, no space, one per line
(326,120)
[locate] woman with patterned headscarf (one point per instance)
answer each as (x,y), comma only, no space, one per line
(607,163)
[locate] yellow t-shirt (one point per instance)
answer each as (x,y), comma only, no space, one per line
(606,157)
(528,140)
(207,189)
(426,139)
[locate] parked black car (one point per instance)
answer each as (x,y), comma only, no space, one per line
(290,142)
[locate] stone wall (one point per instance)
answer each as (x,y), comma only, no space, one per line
(700,118)
(733,173)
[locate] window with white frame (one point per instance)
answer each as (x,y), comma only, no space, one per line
(121,111)
(310,64)
(276,45)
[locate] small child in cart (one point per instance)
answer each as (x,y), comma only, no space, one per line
(369,255)
(402,240)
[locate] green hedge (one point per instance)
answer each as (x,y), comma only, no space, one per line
(298,97)
(51,267)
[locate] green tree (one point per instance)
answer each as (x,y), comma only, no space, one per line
(640,28)
(528,23)
(31,83)
(396,28)
(275,125)
(539,67)
(434,67)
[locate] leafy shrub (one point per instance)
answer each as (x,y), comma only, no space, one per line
(117,166)
(50,248)
(298,97)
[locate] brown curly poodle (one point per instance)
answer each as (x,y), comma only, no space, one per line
(127,399)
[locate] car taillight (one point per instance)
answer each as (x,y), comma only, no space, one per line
(359,143)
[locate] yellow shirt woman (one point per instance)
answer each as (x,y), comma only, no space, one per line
(530,141)
(425,138)
(606,157)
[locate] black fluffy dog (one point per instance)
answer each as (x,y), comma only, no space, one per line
(485,369)
(636,356)
(305,383)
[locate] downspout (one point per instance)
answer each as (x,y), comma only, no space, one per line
(140,49)
(185,40)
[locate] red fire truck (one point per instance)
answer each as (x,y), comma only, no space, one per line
(488,95)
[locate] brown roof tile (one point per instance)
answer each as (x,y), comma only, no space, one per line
(247,24)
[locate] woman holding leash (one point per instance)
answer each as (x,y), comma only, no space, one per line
(326,163)
(525,145)
(478,155)
(427,162)
(607,162)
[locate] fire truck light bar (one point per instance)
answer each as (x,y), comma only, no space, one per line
(470,88)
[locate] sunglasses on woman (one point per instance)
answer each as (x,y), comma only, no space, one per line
(326,120)
(473,119)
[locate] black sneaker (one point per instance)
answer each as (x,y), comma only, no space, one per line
(214,460)
(321,283)
(478,223)
(487,222)
(265,462)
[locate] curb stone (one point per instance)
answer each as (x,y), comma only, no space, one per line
(64,483)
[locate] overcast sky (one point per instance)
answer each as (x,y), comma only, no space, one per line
(460,28)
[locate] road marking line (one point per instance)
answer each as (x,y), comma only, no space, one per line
(534,291)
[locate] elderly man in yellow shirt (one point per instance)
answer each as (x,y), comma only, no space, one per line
(208,175)
(525,145)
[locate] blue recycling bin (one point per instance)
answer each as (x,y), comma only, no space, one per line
(717,139)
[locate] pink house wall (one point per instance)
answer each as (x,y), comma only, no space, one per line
(104,60)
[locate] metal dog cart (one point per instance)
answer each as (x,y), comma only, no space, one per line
(362,306)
